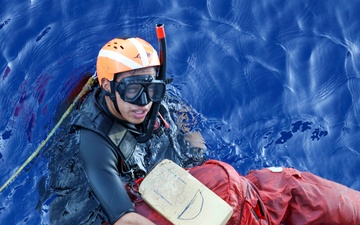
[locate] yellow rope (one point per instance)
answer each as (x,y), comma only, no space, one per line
(85,89)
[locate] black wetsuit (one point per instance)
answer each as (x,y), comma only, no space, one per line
(112,157)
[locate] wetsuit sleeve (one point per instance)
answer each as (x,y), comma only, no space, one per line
(100,164)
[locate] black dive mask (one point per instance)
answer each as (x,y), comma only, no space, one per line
(141,89)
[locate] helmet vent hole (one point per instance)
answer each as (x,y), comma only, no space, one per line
(121,47)
(115,47)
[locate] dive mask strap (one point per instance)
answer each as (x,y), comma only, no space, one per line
(168,80)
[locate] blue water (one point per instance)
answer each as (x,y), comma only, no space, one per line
(269,83)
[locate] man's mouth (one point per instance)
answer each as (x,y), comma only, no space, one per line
(139,113)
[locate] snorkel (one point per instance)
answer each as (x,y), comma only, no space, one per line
(151,120)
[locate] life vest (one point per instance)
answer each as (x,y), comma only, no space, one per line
(227,183)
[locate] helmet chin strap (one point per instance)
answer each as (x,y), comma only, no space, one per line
(112,96)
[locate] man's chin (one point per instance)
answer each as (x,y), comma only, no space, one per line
(137,121)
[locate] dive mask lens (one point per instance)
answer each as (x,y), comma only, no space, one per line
(156,91)
(131,89)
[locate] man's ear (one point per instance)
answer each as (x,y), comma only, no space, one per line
(105,84)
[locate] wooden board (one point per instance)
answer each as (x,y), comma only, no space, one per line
(181,198)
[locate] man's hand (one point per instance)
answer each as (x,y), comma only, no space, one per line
(133,219)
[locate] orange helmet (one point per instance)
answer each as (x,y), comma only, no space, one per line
(120,55)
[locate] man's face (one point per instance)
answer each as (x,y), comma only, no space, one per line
(132,113)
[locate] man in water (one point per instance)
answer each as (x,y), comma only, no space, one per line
(113,117)
(116,114)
